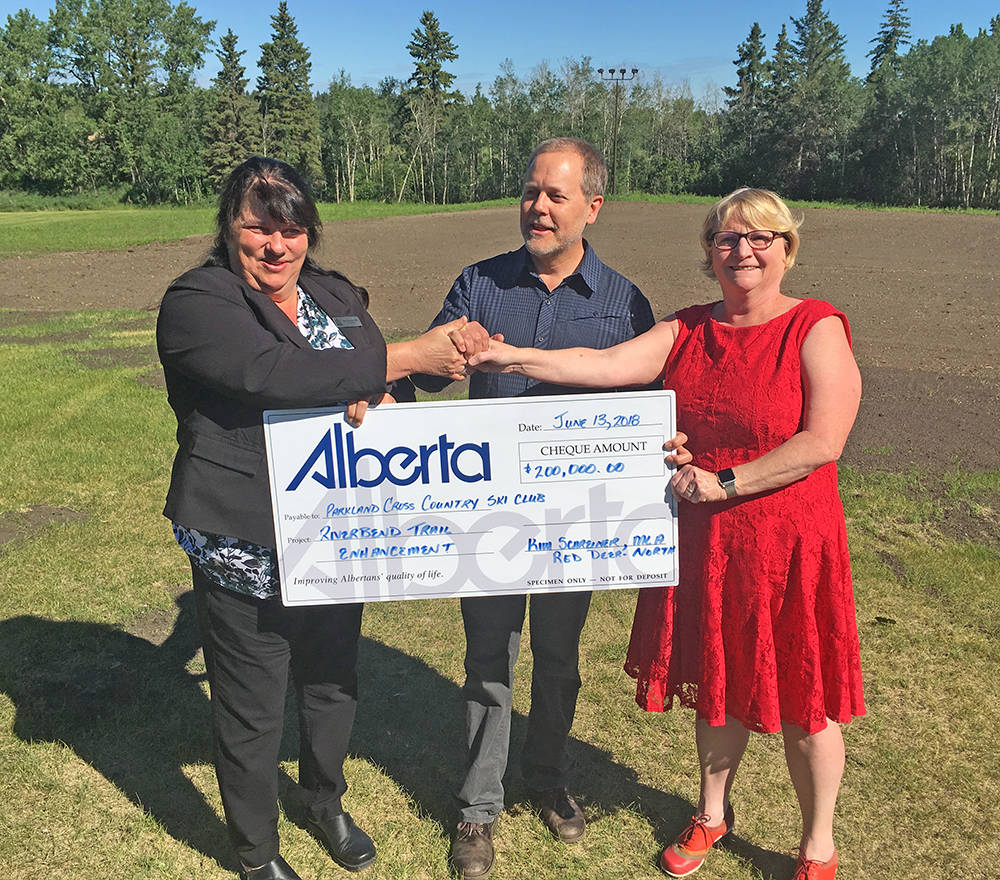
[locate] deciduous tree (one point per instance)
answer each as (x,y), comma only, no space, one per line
(133,62)
(43,128)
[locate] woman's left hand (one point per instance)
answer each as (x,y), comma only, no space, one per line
(496,357)
(355,414)
(694,484)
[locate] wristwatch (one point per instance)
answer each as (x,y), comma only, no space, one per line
(727,479)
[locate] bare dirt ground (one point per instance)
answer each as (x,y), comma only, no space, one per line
(919,290)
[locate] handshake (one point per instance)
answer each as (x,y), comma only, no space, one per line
(445,350)
(450,347)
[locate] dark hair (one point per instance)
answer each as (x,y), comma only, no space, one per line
(284,194)
(595,170)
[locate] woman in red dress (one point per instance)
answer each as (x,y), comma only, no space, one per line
(760,633)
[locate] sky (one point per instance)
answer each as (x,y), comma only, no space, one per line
(684,43)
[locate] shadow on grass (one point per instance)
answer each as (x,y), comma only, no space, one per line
(771,865)
(132,711)
(126,706)
(409,723)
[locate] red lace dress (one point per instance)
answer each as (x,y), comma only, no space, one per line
(761,626)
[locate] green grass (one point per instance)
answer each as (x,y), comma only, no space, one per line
(13,200)
(39,232)
(29,233)
(104,715)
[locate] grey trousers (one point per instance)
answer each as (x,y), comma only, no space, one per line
(492,640)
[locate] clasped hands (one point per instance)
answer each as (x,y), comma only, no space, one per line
(441,351)
(467,338)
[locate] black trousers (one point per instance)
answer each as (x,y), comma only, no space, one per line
(250,646)
(492,642)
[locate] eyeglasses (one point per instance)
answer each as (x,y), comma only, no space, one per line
(758,239)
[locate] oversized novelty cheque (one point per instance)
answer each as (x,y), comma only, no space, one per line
(475,497)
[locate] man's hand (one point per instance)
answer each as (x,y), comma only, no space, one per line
(471,338)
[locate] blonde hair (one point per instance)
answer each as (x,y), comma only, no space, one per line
(758,209)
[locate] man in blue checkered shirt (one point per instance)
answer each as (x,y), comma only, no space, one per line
(552,293)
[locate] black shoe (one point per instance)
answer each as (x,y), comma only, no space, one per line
(472,849)
(276,869)
(347,844)
(561,814)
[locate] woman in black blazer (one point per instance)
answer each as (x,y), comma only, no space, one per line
(261,326)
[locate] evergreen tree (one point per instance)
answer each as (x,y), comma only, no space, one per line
(744,122)
(103,96)
(777,119)
(881,173)
(818,45)
(289,121)
(232,126)
(781,69)
(430,47)
(824,106)
(895,32)
(751,71)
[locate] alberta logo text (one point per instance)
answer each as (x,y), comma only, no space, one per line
(336,462)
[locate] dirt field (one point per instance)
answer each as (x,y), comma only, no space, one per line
(919,290)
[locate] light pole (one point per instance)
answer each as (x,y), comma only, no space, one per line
(617,77)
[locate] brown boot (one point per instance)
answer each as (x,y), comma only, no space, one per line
(472,849)
(561,814)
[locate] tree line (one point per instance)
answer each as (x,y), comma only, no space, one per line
(103,95)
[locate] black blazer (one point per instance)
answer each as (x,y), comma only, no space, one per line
(228,353)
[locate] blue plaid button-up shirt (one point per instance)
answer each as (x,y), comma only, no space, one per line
(595,307)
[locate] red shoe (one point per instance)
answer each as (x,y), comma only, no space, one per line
(687,853)
(813,869)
